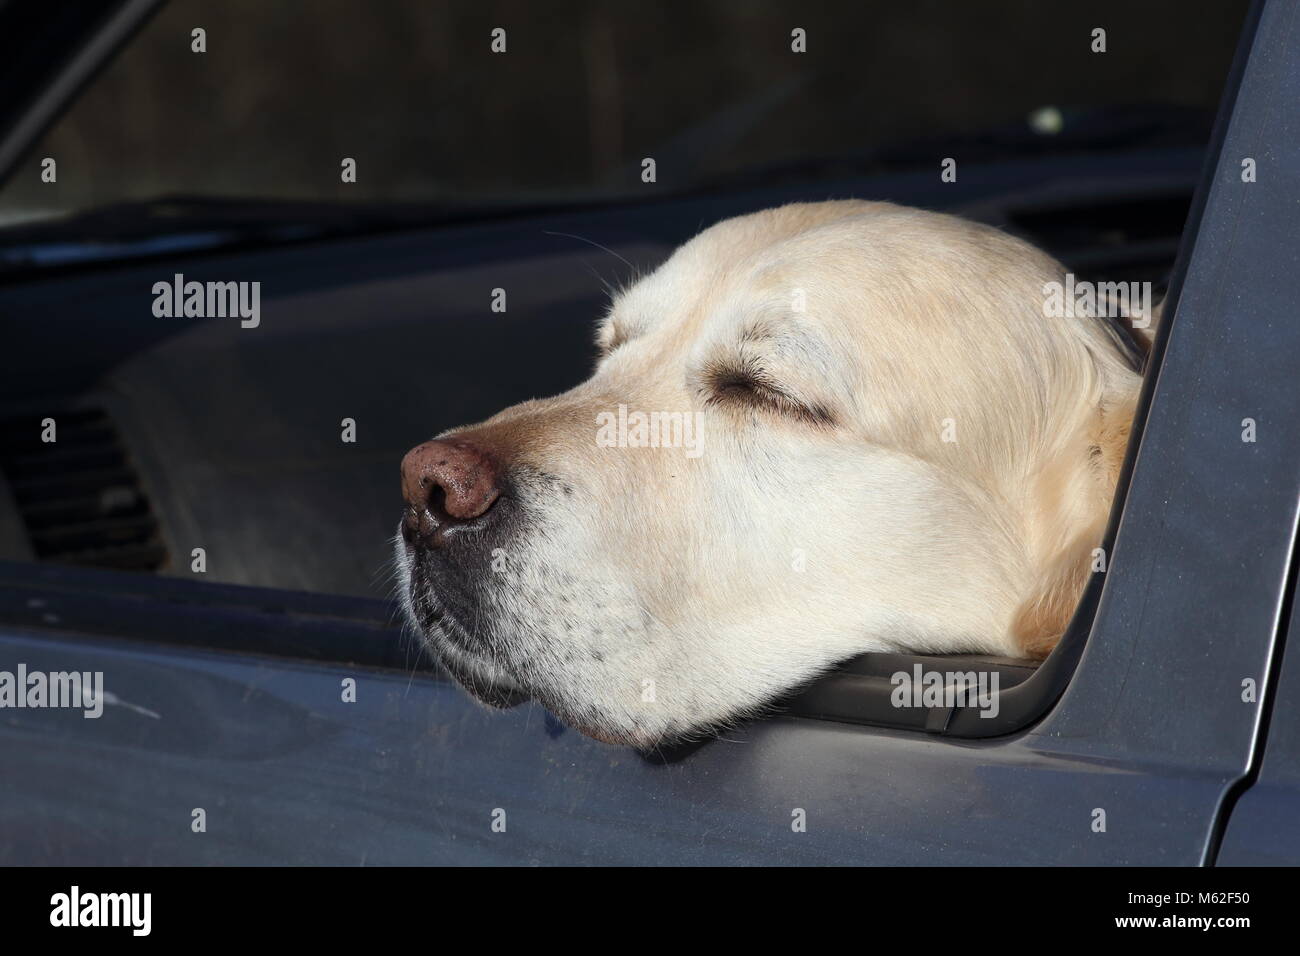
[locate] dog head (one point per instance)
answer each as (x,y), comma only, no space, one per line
(814,431)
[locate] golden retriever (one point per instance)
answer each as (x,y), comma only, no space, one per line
(814,431)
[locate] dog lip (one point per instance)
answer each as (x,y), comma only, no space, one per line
(434,613)
(450,529)
(494,695)
(424,528)
(433,619)
(480,688)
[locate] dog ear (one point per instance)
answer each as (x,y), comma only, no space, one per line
(1143,329)
(1043,616)
(1145,333)
(1132,334)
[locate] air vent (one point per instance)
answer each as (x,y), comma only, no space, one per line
(78,497)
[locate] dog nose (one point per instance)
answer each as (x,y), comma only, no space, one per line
(447,480)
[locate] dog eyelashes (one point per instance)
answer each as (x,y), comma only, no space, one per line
(752,388)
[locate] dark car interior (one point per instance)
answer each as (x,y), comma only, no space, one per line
(177,434)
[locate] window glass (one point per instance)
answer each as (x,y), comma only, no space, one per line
(585,91)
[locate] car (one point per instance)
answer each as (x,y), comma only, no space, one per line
(262,702)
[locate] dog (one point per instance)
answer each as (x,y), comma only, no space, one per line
(814,431)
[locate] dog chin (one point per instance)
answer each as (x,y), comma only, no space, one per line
(474,661)
(442,640)
(490,686)
(484,682)
(493,692)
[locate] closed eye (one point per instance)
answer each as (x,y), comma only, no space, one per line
(753,388)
